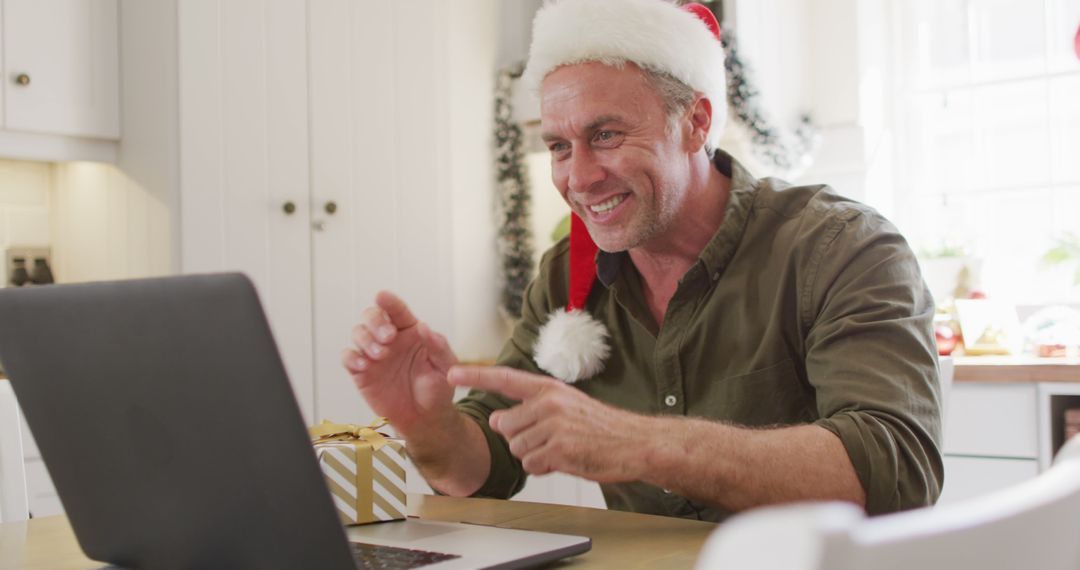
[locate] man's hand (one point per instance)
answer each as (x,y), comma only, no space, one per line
(400,366)
(559,428)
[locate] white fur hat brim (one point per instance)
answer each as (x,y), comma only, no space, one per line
(653,34)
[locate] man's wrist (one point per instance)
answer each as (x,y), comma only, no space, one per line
(451,454)
(670,450)
(653,456)
(433,433)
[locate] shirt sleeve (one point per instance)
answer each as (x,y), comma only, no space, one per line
(872,359)
(507,476)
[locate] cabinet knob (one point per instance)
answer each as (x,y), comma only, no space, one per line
(330,207)
(22,79)
(288,207)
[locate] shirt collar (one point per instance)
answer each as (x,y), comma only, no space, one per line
(721,248)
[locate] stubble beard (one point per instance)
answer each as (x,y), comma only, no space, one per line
(649,223)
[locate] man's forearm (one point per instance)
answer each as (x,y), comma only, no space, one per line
(739,468)
(453,456)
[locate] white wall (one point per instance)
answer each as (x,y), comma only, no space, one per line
(119,221)
(828,58)
(149,147)
(105,225)
(515,30)
(24,203)
(478,332)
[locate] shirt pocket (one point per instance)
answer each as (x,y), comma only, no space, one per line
(773,395)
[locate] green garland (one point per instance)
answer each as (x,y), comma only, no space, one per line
(514,238)
(787,151)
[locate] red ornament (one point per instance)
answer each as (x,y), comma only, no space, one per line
(1076,42)
(946,339)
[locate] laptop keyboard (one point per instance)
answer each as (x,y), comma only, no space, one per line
(376,556)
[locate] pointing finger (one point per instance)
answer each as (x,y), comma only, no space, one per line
(512,383)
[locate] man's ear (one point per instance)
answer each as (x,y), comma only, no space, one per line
(699,119)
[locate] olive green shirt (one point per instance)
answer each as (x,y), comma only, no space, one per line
(804,308)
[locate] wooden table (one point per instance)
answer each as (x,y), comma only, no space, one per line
(620,540)
(1016,369)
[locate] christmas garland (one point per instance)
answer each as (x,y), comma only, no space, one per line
(787,153)
(514,237)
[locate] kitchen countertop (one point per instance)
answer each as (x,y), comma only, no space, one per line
(1016,369)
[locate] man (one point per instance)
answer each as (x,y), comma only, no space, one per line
(758,343)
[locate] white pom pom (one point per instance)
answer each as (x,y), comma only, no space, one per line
(572,346)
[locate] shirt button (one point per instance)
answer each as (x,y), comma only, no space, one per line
(670,400)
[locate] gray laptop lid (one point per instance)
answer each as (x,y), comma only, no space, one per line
(169,454)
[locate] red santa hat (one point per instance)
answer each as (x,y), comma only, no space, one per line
(656,35)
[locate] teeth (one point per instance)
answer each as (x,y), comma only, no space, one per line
(607,205)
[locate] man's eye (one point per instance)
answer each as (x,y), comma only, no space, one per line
(606,136)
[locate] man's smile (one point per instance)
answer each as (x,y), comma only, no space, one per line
(606,210)
(608,205)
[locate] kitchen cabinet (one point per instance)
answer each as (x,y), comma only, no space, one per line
(61,88)
(991,438)
(1005,422)
(968,477)
(1054,399)
(331,149)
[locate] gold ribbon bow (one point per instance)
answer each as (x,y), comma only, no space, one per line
(328,431)
(364,442)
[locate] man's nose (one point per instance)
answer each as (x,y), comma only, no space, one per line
(585,171)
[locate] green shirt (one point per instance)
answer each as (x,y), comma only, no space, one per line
(805,307)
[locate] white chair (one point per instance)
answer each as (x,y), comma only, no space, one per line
(1035,524)
(13,500)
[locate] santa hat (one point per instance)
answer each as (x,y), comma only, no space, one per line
(656,35)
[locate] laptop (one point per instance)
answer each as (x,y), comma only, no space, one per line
(164,415)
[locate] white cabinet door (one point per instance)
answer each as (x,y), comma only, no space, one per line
(375,81)
(244,154)
(967,477)
(992,420)
(400,121)
(61,67)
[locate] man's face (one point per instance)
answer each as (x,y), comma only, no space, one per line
(614,158)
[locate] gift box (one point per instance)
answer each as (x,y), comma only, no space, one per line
(364,469)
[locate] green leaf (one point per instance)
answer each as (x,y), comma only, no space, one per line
(562,229)
(1054,256)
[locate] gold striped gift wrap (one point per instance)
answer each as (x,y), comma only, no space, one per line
(364,470)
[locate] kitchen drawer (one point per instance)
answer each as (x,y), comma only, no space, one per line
(967,477)
(995,420)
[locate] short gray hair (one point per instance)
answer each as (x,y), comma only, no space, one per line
(676,95)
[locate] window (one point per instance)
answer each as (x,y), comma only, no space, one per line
(988,155)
